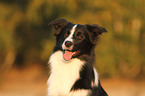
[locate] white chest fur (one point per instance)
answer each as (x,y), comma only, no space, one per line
(63,74)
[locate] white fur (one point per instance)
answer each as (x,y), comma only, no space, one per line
(69,38)
(96,78)
(80,92)
(63,75)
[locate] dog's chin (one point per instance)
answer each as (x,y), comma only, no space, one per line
(68,54)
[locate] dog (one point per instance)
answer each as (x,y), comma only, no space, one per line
(72,60)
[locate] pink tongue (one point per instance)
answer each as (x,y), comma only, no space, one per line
(67,55)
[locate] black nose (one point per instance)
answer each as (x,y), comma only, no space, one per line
(68,43)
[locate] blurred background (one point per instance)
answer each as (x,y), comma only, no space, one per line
(26,42)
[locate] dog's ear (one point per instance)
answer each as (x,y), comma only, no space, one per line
(58,25)
(94,31)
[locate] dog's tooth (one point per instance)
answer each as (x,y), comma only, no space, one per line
(73,53)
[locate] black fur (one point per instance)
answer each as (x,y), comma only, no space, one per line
(98,91)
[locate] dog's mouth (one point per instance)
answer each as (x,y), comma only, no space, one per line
(68,55)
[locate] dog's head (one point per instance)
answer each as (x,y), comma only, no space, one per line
(75,40)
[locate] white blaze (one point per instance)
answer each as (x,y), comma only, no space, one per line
(69,38)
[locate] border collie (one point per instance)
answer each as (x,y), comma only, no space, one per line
(72,60)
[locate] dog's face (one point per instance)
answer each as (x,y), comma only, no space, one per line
(75,40)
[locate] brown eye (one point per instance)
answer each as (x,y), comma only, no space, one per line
(67,34)
(79,35)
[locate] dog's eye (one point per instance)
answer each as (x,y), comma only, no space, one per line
(67,34)
(79,35)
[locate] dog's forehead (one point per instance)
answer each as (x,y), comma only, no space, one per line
(75,27)
(79,27)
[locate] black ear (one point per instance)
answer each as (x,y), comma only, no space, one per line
(94,31)
(58,25)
